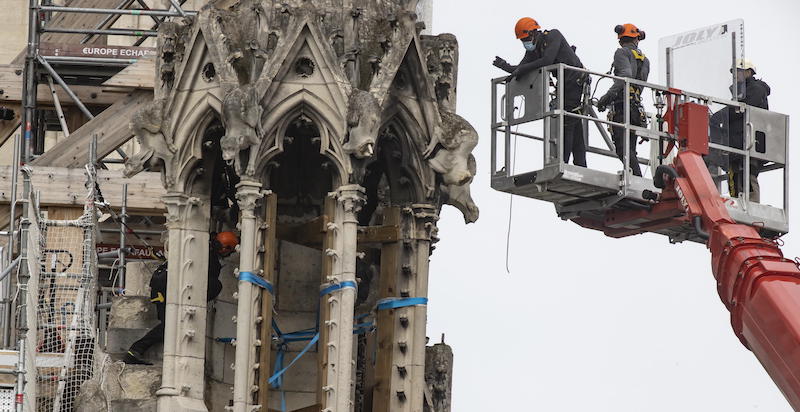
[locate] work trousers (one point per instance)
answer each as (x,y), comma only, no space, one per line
(618,134)
(573,127)
(736,182)
(155,335)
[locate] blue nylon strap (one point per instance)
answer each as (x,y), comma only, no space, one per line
(337,286)
(277,375)
(394,303)
(257,280)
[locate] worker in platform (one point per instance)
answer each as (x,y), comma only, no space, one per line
(544,48)
(222,245)
(630,62)
(753,92)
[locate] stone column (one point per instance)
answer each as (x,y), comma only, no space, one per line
(247,316)
(424,230)
(183,375)
(341,302)
(400,363)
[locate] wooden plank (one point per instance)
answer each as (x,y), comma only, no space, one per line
(140,75)
(64,213)
(111,127)
(64,187)
(388,287)
(378,234)
(267,300)
(11,85)
(8,127)
(311,233)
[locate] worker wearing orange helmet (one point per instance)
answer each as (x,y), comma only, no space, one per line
(545,48)
(630,62)
(222,245)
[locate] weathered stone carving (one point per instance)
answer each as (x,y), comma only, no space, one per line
(171,41)
(241,116)
(461,197)
(457,139)
(441,59)
(155,148)
(363,122)
(439,376)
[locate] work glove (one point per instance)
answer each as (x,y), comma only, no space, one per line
(603,103)
(501,63)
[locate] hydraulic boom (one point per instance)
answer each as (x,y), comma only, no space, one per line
(758,285)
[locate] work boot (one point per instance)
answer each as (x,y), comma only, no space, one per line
(133,358)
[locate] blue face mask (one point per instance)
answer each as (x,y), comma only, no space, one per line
(528,45)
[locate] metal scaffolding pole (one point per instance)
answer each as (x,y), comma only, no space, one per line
(178,8)
(109,20)
(59,110)
(66,88)
(123,223)
(90,61)
(110,32)
(133,12)
(29,80)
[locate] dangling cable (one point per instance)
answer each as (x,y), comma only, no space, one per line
(511,198)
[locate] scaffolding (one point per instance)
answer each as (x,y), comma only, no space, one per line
(44,65)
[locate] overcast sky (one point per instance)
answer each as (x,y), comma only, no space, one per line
(584,322)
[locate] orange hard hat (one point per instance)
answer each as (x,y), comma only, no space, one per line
(227,240)
(628,30)
(524,26)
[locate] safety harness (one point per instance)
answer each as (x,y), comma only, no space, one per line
(634,91)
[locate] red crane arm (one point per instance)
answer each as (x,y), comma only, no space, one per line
(756,283)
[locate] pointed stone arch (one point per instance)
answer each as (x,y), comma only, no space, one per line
(331,130)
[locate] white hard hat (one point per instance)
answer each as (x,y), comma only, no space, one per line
(745,64)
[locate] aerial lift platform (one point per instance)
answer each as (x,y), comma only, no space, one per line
(587,195)
(684,197)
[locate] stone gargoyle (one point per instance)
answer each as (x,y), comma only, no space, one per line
(155,149)
(363,122)
(457,138)
(460,195)
(241,116)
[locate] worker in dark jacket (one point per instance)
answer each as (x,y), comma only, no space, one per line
(753,92)
(223,244)
(629,62)
(544,48)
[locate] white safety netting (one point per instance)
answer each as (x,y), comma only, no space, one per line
(66,332)
(60,298)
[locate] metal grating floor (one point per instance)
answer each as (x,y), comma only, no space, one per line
(6,399)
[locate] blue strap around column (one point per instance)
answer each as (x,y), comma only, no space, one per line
(337,286)
(257,280)
(394,303)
